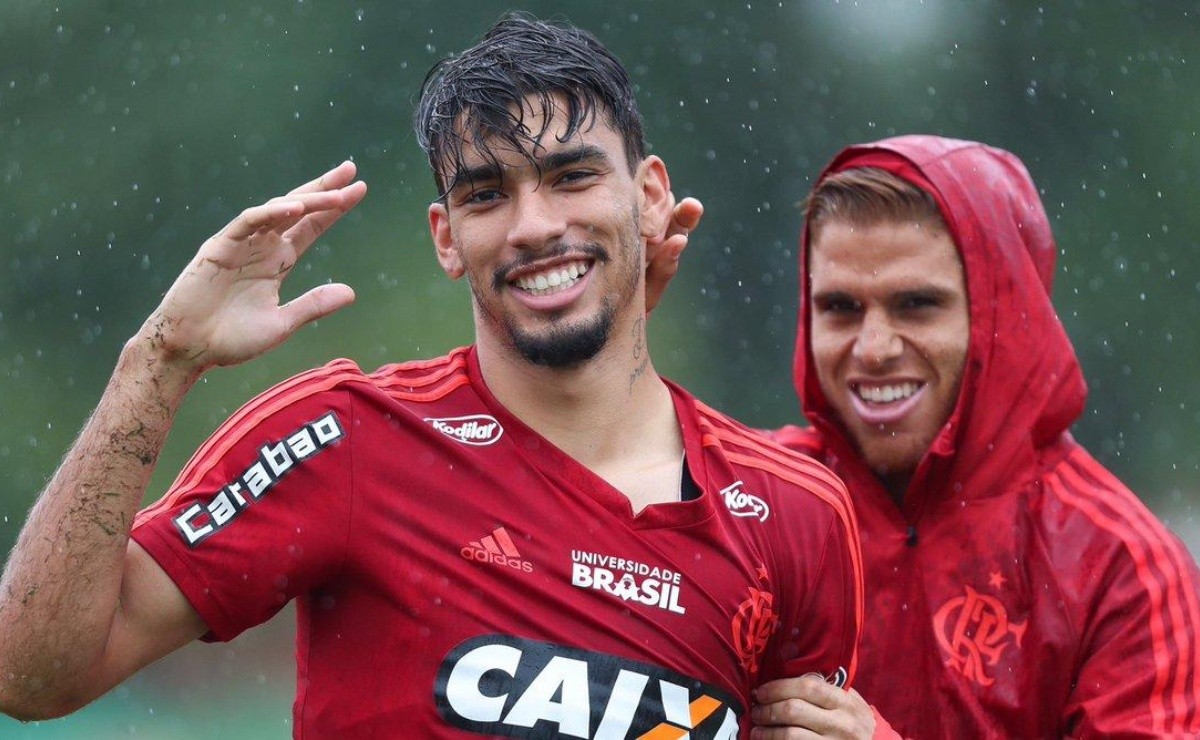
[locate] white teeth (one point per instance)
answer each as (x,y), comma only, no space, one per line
(552,281)
(886,393)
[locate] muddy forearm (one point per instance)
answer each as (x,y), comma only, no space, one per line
(60,588)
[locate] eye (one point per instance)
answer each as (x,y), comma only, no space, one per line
(481,196)
(837,305)
(575,177)
(918,301)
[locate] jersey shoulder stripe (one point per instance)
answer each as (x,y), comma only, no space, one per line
(425,381)
(234,429)
(731,432)
(1094,492)
(805,440)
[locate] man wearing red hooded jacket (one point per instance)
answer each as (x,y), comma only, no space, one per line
(1015,588)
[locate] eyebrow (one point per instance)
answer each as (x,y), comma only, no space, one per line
(575,155)
(937,292)
(490,171)
(830,295)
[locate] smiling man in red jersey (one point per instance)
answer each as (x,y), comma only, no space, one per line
(535,536)
(1015,587)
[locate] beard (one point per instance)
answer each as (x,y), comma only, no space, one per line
(565,346)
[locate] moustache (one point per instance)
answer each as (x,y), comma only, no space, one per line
(593,251)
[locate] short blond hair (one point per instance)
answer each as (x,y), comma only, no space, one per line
(867,196)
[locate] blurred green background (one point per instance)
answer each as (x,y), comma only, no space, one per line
(131,129)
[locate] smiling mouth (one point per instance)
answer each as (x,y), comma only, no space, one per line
(552,280)
(878,395)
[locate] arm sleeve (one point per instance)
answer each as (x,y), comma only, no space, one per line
(261,512)
(1139,675)
(822,633)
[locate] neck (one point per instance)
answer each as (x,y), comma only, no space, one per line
(612,413)
(579,406)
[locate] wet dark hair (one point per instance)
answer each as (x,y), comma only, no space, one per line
(868,196)
(478,98)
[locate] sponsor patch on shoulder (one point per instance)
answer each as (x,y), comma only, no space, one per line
(275,460)
(477,429)
(505,685)
(744,504)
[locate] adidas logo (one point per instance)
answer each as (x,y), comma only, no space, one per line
(498,549)
(478,430)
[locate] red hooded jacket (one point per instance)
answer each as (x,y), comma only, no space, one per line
(1020,590)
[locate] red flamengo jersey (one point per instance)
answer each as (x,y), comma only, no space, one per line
(456,574)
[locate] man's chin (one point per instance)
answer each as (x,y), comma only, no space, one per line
(564,347)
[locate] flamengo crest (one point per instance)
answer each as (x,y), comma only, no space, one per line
(974,631)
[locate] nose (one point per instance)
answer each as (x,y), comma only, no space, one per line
(536,219)
(877,342)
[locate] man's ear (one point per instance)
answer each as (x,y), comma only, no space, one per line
(443,241)
(656,201)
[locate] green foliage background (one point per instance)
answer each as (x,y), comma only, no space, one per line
(131,129)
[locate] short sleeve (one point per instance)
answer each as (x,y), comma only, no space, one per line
(261,512)
(820,634)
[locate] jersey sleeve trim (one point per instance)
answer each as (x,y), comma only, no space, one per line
(189,580)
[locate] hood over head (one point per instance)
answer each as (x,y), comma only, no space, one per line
(1022,385)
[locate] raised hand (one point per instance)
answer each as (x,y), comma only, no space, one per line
(224,308)
(662,254)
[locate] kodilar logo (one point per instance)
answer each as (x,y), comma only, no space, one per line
(477,429)
(744,504)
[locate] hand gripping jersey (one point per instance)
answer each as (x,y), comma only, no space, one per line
(1020,590)
(457,575)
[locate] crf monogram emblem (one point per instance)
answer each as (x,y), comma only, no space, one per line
(974,630)
(754,623)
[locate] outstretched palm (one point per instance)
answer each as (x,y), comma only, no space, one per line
(224,308)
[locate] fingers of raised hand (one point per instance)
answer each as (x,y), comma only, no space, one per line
(306,230)
(315,304)
(281,214)
(338,177)
(262,217)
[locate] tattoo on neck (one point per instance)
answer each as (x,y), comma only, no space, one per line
(638,372)
(639,352)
